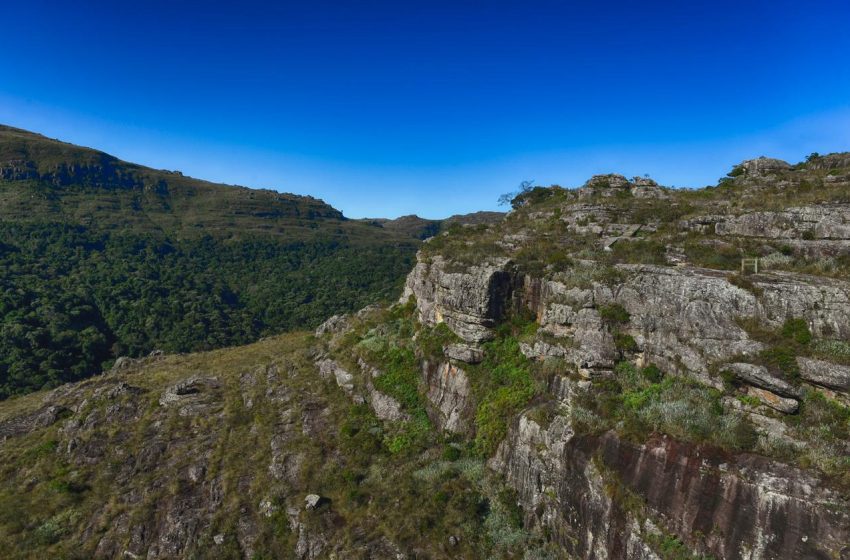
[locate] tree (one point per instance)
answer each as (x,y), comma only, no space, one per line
(508,198)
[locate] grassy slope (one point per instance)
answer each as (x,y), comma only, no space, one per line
(130,462)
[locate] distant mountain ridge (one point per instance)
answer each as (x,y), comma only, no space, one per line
(423,228)
(58,175)
(101,258)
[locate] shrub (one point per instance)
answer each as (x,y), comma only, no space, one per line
(506,386)
(722,257)
(781,360)
(745,284)
(451,453)
(652,373)
(639,251)
(834,350)
(742,434)
(797,330)
(625,343)
(730,379)
(614,314)
(400,378)
(431,341)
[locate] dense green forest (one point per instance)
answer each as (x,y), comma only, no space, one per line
(100,258)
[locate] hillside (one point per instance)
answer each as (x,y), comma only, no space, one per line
(101,258)
(593,377)
(423,228)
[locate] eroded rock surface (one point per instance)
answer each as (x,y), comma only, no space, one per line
(470,302)
(742,507)
(449,393)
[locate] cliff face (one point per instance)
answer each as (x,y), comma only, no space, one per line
(604,497)
(657,301)
(470,301)
(685,320)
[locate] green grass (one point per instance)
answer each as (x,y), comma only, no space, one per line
(783,346)
(506,385)
(837,351)
(638,402)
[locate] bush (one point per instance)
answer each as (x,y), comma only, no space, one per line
(834,350)
(400,380)
(639,251)
(652,373)
(730,379)
(745,284)
(781,360)
(797,330)
(722,257)
(451,453)
(506,386)
(637,402)
(614,314)
(625,343)
(431,341)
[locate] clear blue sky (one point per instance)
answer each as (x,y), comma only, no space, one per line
(390,108)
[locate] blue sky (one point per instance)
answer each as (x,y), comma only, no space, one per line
(435,108)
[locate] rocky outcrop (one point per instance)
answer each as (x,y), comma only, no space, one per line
(829,222)
(332,369)
(386,407)
(741,507)
(335,324)
(449,394)
(192,396)
(825,374)
(684,319)
(468,353)
(470,301)
(760,377)
(617,185)
(777,402)
(24,424)
(763,167)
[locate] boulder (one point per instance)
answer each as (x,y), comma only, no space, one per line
(123,363)
(761,377)
(191,386)
(331,368)
(312,501)
(764,166)
(467,353)
(827,374)
(386,407)
(333,325)
(774,401)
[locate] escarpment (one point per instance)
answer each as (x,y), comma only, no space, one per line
(689,322)
(605,497)
(616,371)
(747,310)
